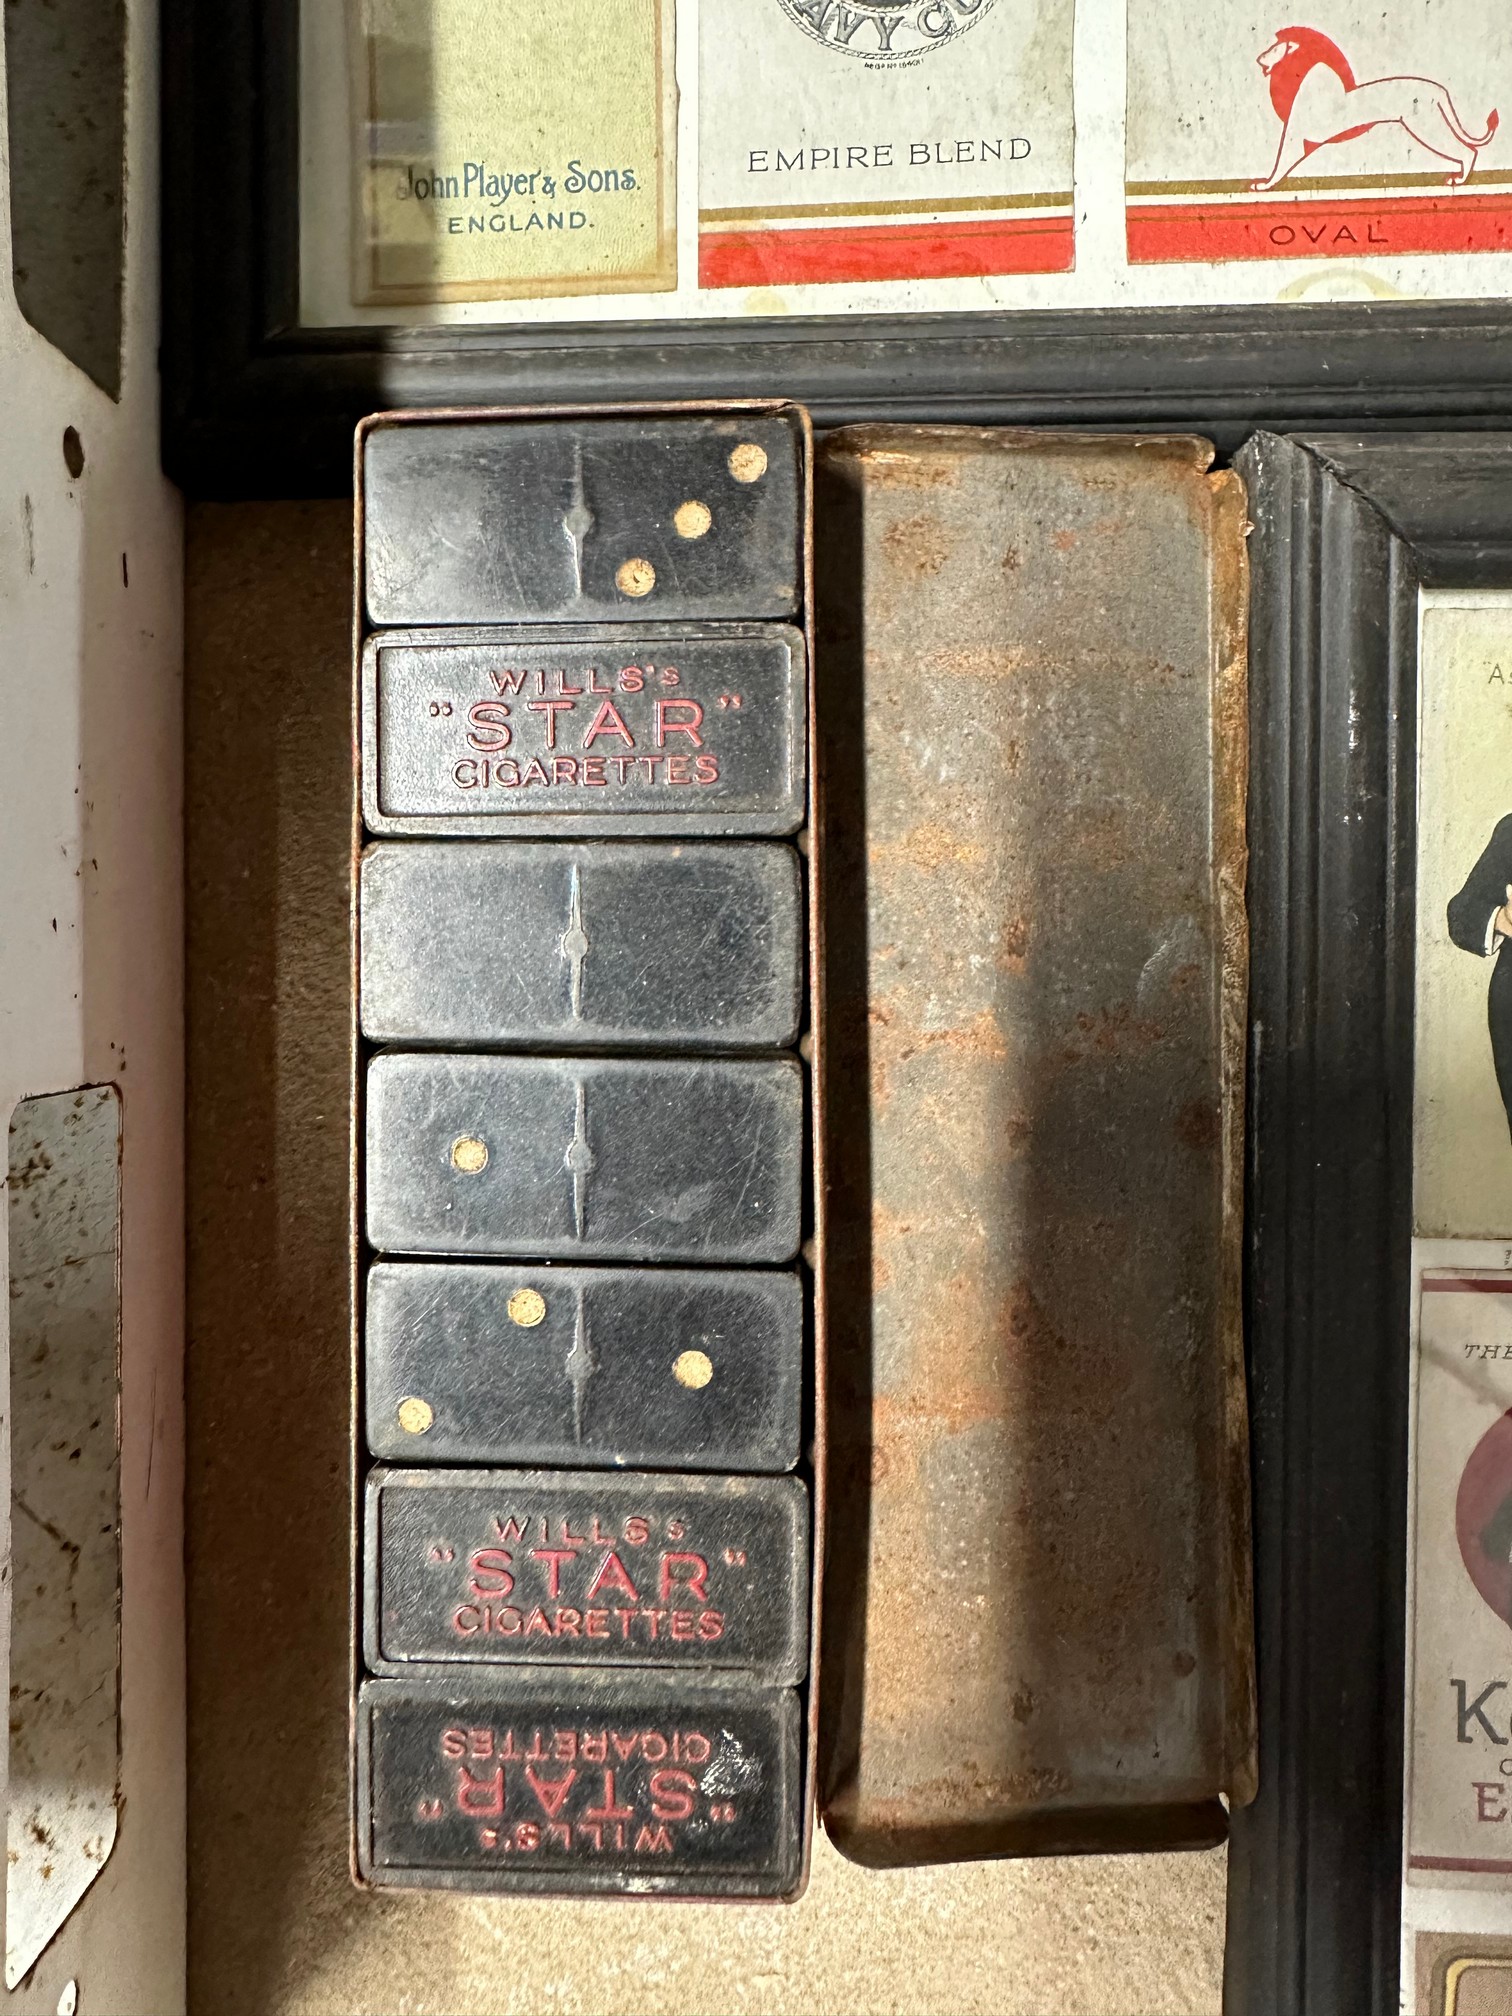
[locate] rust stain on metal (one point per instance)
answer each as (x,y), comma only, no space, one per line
(912,468)
(1032,718)
(918,545)
(897,1041)
(928,847)
(980,662)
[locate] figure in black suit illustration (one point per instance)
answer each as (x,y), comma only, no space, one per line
(1480,921)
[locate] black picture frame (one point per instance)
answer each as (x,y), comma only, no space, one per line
(256,405)
(1347,529)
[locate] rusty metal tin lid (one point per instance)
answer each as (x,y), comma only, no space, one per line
(1032,748)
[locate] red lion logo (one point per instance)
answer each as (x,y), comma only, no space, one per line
(1318,103)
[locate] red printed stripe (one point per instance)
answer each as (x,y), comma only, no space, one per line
(1470,1285)
(1464,1862)
(1353,228)
(886,252)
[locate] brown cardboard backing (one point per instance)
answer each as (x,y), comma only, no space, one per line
(276,1927)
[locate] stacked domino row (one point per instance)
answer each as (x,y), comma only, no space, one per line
(586,1553)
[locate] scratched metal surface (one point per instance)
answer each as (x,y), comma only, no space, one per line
(584,519)
(617,945)
(588,1158)
(1031,711)
(651,1785)
(625,1367)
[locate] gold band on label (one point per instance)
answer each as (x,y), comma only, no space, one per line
(1459,1987)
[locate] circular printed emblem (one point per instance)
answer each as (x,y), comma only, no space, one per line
(885,31)
(1483,1517)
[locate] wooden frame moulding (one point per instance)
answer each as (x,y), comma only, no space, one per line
(1347,530)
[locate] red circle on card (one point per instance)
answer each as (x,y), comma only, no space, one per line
(1483,1516)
